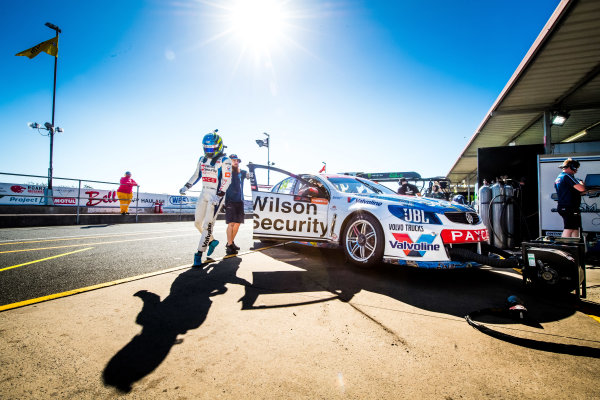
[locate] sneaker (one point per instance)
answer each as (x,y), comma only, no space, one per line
(230,250)
(211,246)
(234,246)
(197,259)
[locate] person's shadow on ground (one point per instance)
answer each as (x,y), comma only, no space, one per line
(185,308)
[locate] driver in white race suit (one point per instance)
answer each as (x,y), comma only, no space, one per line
(214,168)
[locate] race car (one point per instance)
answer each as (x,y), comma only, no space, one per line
(369,221)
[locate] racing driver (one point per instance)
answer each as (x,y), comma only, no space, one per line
(214,168)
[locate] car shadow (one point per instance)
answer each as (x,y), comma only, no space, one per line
(184,309)
(458,292)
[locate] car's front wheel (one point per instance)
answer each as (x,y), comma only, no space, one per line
(363,240)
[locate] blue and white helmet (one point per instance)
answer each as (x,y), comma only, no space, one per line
(212,144)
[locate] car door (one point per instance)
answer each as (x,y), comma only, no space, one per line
(294,209)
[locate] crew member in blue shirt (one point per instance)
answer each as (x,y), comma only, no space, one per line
(234,204)
(569,190)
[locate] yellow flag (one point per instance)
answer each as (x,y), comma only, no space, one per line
(49,46)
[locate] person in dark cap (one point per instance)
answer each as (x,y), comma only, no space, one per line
(407,189)
(234,204)
(569,190)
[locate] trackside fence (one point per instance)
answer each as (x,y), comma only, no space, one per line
(86,196)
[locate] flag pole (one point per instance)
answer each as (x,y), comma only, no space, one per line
(50,200)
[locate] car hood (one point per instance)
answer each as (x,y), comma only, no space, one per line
(423,203)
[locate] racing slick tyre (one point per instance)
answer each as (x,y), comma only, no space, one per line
(363,240)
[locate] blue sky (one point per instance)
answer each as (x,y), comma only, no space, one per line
(363,85)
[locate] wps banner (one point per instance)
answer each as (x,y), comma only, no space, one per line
(100,199)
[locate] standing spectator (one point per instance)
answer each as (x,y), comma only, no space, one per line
(234,204)
(125,192)
(408,189)
(569,190)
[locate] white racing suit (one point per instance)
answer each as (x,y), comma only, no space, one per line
(215,174)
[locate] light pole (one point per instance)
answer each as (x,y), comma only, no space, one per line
(267,143)
(50,47)
(268,156)
(51,130)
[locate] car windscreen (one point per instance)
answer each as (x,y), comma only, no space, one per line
(355,185)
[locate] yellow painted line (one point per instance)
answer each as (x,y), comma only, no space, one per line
(44,259)
(595,318)
(86,237)
(119,281)
(95,244)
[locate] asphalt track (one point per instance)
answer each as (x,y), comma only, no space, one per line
(38,262)
(276,322)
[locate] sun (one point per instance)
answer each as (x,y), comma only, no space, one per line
(258,24)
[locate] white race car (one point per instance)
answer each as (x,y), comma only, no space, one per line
(368,220)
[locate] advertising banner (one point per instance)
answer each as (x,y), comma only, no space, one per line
(551,223)
(96,200)
(21,195)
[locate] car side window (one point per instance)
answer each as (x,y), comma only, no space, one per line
(286,186)
(275,189)
(302,189)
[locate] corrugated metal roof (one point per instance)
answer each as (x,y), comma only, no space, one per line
(561,71)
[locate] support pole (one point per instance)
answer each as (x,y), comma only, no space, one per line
(547,132)
(50,198)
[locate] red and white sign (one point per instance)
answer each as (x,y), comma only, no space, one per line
(464,235)
(69,201)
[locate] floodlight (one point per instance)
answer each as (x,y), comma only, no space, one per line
(559,118)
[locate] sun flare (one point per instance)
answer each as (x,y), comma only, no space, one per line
(259,24)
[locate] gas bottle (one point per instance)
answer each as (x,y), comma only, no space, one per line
(484,198)
(509,216)
(496,217)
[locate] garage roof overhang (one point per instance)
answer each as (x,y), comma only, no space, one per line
(561,71)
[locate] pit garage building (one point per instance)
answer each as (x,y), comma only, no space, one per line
(558,77)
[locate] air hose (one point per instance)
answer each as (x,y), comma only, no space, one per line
(460,254)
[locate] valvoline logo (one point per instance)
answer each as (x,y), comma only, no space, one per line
(17,188)
(364,201)
(417,248)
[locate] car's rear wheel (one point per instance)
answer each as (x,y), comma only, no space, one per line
(363,240)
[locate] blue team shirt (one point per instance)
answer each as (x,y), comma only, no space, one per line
(568,196)
(235,191)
